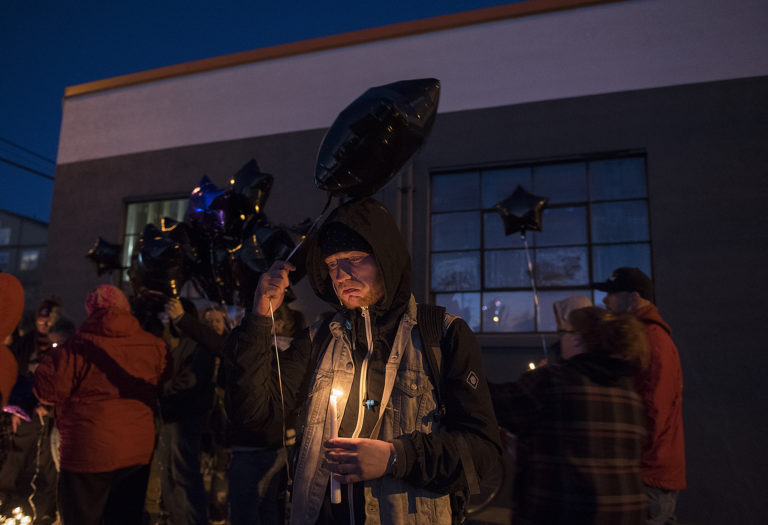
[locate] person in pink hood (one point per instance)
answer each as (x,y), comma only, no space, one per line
(104,384)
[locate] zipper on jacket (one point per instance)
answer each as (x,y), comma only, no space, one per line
(362,395)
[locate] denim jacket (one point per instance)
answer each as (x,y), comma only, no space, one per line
(410,406)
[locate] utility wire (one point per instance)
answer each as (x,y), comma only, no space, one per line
(26,168)
(22,148)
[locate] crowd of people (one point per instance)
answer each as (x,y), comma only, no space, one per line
(378,412)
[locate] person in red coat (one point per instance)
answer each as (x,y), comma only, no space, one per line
(104,384)
(11,308)
(660,385)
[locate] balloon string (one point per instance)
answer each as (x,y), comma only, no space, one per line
(535,293)
(282,397)
(311,228)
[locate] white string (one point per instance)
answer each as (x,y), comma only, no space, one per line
(280,383)
(535,294)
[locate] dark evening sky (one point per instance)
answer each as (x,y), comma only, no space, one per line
(48,45)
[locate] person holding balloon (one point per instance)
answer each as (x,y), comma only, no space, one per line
(413,438)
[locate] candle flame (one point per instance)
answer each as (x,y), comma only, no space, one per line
(531,365)
(336,393)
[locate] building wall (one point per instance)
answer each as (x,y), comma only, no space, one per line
(707,156)
(619,46)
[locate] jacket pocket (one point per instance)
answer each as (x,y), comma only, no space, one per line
(413,402)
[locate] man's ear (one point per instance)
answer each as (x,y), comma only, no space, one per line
(636,301)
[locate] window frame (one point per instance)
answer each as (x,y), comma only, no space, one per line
(589,245)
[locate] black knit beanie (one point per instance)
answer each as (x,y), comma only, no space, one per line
(337,237)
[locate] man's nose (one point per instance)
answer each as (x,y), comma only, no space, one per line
(340,273)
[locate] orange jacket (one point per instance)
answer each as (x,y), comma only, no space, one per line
(661,387)
(103,382)
(11,308)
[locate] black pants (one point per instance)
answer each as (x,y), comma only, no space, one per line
(111,498)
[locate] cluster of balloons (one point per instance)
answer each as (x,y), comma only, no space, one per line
(226,241)
(222,246)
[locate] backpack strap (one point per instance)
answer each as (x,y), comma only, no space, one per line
(433,324)
(430,322)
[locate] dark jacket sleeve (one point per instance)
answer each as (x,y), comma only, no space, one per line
(253,396)
(189,391)
(518,404)
(203,334)
(438,461)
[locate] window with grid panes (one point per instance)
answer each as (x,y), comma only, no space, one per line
(596,221)
(139,214)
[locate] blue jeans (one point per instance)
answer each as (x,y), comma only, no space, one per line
(661,506)
(183,493)
(257,484)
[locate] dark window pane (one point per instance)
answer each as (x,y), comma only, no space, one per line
(506,269)
(617,179)
(456,231)
(458,191)
(508,312)
(465,305)
(563,226)
(546,313)
(608,258)
(562,266)
(624,221)
(500,184)
(495,236)
(561,182)
(456,271)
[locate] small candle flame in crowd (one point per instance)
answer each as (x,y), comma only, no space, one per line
(532,366)
(17,518)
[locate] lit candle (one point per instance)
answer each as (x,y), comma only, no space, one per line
(531,365)
(334,411)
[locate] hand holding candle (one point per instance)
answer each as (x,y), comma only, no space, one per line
(334,409)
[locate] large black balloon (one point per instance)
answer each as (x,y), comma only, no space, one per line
(158,262)
(521,211)
(105,256)
(375,136)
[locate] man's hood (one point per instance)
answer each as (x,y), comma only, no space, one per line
(649,314)
(11,304)
(373,222)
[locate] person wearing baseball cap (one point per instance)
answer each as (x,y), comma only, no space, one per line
(660,385)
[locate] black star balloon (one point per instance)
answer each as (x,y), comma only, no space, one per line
(521,211)
(250,188)
(105,256)
(375,136)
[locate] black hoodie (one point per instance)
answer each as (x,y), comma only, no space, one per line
(431,461)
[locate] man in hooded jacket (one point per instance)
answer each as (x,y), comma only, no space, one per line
(400,455)
(103,382)
(660,385)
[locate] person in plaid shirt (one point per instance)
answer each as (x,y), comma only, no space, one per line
(580,426)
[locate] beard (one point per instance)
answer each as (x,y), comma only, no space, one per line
(371,297)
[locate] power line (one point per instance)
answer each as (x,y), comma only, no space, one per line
(3,139)
(40,173)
